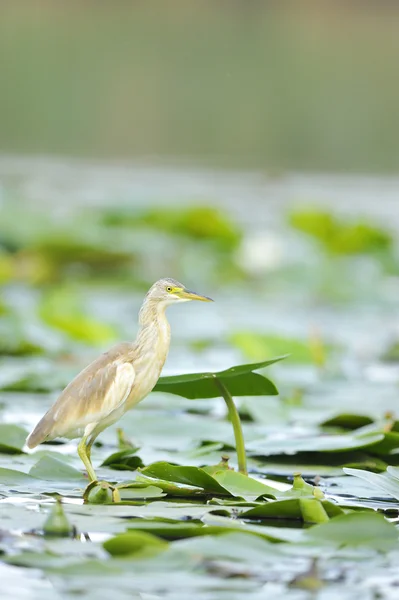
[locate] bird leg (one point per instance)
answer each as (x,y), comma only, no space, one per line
(84,454)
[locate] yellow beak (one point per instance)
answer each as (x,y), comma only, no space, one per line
(189,295)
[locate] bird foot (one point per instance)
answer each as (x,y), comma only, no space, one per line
(101,492)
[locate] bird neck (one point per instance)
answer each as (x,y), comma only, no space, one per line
(154,332)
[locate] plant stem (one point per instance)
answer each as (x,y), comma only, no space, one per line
(236,422)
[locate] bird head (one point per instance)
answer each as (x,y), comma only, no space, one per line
(170,291)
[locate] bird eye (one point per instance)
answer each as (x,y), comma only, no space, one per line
(168,289)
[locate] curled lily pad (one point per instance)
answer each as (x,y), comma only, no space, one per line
(124,460)
(240,380)
(135,543)
(194,477)
(57,523)
(308,510)
(101,492)
(12,439)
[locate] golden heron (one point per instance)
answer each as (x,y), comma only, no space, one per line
(117,380)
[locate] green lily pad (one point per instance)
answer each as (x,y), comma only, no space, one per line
(243,485)
(191,476)
(239,380)
(338,236)
(363,529)
(123,460)
(12,439)
(49,468)
(135,543)
(384,481)
(308,510)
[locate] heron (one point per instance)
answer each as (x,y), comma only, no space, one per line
(117,380)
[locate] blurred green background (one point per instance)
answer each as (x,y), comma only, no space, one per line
(249,149)
(276,85)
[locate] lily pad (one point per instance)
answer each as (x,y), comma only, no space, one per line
(363,529)
(239,380)
(191,476)
(137,543)
(49,468)
(12,439)
(308,510)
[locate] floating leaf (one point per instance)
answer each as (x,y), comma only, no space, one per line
(137,543)
(384,481)
(348,421)
(197,222)
(191,476)
(243,486)
(60,308)
(138,491)
(12,439)
(49,468)
(364,529)
(124,460)
(308,510)
(341,237)
(16,339)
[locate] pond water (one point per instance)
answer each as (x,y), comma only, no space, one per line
(277,283)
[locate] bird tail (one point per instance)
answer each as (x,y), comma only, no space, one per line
(40,432)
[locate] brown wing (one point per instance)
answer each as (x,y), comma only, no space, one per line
(98,390)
